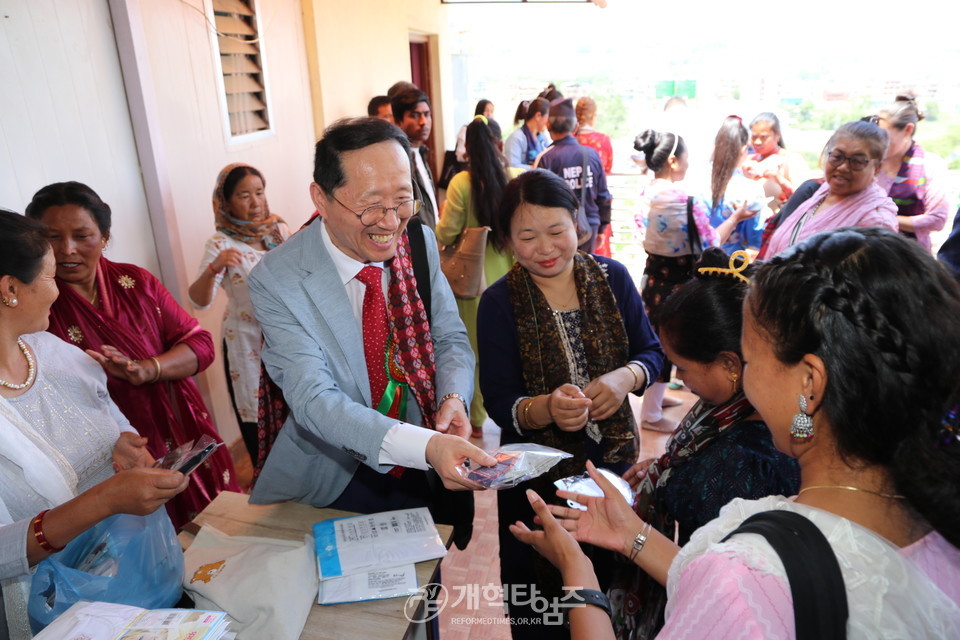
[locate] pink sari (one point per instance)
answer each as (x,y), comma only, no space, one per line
(138,316)
(870,207)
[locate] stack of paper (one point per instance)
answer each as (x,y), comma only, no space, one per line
(106,621)
(372,556)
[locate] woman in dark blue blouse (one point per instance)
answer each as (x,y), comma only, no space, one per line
(563,338)
(721,450)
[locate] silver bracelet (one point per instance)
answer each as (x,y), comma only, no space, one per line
(639,541)
(459,397)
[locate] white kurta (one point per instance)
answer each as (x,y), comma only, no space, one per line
(240,329)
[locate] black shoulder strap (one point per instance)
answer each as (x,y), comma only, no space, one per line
(693,236)
(819,597)
(421,268)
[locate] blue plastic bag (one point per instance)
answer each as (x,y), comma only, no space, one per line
(126,559)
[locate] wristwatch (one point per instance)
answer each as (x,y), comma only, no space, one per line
(590,596)
(459,397)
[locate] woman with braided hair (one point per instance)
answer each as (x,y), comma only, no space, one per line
(839,369)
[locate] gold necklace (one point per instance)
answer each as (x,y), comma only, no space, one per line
(892,496)
(31,369)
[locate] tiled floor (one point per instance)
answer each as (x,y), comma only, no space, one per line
(473,575)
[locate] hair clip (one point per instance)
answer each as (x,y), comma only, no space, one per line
(733,270)
(482,118)
(733,115)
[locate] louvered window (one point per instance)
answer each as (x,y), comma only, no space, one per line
(243,80)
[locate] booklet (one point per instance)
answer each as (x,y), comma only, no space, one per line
(373,556)
(376,541)
(372,585)
(107,621)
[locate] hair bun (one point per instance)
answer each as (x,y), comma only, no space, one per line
(908,96)
(647,141)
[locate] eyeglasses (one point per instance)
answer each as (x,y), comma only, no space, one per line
(856,163)
(375,213)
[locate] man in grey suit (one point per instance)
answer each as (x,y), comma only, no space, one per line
(348,442)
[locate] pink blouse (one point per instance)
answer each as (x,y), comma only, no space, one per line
(737,589)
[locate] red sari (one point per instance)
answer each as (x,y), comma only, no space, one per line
(138,316)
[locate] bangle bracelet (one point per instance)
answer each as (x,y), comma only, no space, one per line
(156,378)
(38,534)
(636,378)
(639,541)
(212,270)
(526,416)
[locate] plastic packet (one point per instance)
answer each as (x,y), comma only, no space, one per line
(188,456)
(516,463)
(584,484)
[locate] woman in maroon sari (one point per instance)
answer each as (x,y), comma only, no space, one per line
(128,321)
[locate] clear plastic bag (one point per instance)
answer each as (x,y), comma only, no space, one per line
(584,484)
(125,559)
(516,463)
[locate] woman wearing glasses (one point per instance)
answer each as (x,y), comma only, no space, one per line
(850,195)
(246,230)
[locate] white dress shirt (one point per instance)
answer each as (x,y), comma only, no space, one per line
(405,444)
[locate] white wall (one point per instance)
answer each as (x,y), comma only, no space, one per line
(63,115)
(361,47)
(183,68)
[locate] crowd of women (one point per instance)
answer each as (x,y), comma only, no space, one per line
(824,421)
(820,395)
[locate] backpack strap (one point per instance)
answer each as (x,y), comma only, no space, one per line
(816,584)
(421,268)
(693,236)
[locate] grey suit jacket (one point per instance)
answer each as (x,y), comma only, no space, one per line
(313,350)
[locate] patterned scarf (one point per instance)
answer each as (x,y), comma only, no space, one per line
(247,231)
(909,188)
(412,342)
(272,412)
(702,425)
(545,364)
(639,611)
(410,360)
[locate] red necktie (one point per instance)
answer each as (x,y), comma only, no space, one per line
(375,331)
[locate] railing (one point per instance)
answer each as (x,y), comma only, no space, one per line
(627,242)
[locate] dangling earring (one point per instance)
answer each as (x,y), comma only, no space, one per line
(735,378)
(802,425)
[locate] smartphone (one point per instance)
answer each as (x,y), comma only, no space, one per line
(197,459)
(187,457)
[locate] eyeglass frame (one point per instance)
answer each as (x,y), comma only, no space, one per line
(417,205)
(851,161)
